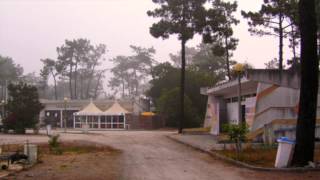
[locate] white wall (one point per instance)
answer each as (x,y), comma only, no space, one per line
(232,112)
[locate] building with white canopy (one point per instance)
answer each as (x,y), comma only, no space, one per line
(112,118)
(89,115)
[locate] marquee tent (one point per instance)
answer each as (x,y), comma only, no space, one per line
(112,118)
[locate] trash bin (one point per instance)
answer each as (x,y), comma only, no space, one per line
(284,153)
(31,150)
(85,128)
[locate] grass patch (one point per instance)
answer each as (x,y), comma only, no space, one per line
(258,157)
(200,130)
(76,147)
(263,156)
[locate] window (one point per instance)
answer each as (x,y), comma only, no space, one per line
(103,119)
(121,119)
(108,119)
(228,100)
(234,99)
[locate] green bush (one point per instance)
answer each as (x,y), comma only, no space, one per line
(23,108)
(236,133)
(169,106)
(54,144)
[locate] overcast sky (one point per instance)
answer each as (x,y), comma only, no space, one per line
(32,29)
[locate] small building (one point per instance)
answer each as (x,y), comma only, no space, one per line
(91,115)
(98,114)
(269,104)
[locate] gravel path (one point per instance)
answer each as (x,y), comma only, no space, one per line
(150,155)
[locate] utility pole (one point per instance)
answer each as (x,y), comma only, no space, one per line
(65,100)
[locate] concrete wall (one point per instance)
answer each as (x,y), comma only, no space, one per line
(232,113)
(275,103)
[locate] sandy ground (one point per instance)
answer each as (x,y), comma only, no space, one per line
(150,155)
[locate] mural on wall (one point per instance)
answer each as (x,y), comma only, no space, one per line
(212,109)
(250,110)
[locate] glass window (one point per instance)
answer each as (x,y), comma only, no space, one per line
(234,99)
(102,119)
(109,119)
(121,119)
(114,119)
(95,119)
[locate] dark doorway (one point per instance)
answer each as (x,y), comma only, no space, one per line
(243,113)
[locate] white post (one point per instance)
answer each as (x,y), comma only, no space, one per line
(61,118)
(99,122)
(74,121)
(124,121)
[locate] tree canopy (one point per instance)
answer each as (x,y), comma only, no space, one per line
(131,72)
(23,107)
(164,84)
(275,18)
(78,62)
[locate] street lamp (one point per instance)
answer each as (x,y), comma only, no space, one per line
(65,100)
(2,104)
(238,69)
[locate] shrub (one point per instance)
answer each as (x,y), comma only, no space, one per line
(54,144)
(169,106)
(236,133)
(23,107)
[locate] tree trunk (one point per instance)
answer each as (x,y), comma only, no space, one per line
(90,79)
(137,82)
(70,82)
(55,86)
(294,62)
(280,41)
(183,64)
(81,86)
(97,86)
(75,80)
(305,133)
(227,58)
(239,99)
(123,84)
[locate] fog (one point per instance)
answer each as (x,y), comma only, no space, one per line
(32,29)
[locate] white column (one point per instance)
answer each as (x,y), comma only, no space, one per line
(124,121)
(99,122)
(74,121)
(61,121)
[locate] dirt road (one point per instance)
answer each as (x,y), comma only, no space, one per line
(150,155)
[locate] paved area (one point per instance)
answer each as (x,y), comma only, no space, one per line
(205,142)
(150,155)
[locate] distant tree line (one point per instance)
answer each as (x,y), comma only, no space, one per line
(77,72)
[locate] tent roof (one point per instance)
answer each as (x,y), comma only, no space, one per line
(115,109)
(90,109)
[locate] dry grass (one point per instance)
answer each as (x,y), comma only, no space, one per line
(76,147)
(79,160)
(201,130)
(262,157)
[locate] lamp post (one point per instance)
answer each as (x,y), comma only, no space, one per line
(2,104)
(65,100)
(238,69)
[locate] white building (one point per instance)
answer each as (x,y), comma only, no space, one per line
(269,104)
(100,114)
